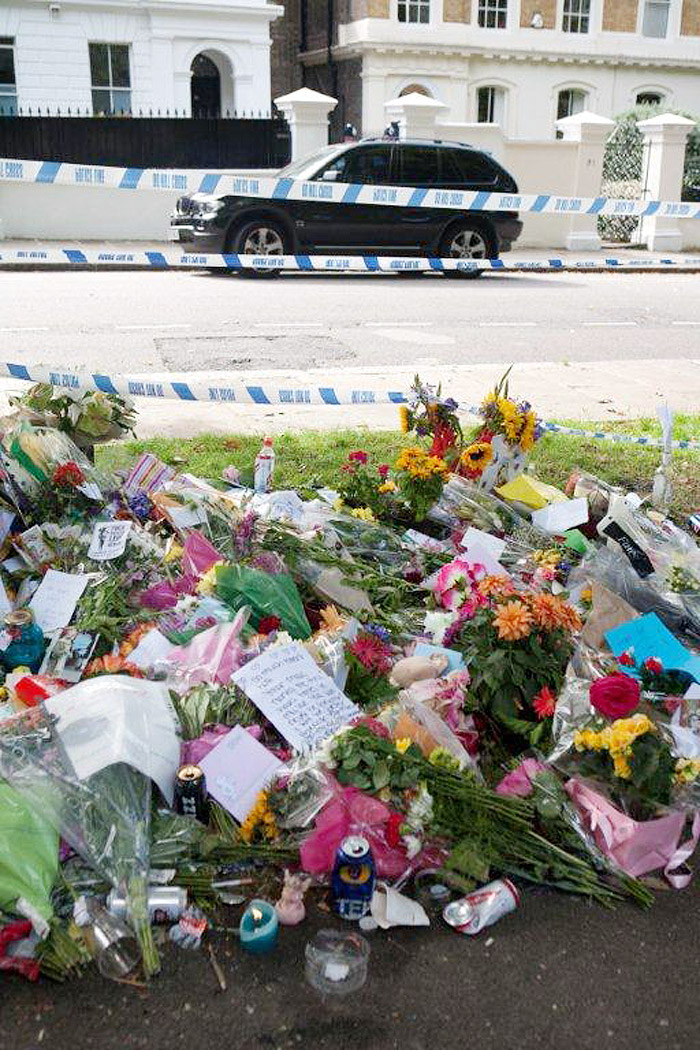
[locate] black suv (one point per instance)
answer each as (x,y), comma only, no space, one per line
(253,226)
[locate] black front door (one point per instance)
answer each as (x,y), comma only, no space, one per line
(205,89)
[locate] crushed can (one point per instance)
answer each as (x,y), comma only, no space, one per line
(352,883)
(482,907)
(164,903)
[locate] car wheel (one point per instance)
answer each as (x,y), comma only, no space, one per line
(261,237)
(466,241)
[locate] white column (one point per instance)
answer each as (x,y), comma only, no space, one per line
(416,115)
(665,139)
(591,132)
(306,112)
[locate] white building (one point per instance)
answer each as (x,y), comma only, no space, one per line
(196,57)
(519,63)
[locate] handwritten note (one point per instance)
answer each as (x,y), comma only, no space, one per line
(109,540)
(237,769)
(301,701)
(55,599)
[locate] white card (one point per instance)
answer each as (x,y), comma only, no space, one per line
(55,599)
(153,647)
(109,540)
(237,769)
(484,540)
(562,516)
(302,702)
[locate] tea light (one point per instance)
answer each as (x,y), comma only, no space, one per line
(259,926)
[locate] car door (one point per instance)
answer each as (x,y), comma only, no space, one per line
(419,166)
(330,226)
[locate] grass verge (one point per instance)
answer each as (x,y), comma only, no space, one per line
(311,458)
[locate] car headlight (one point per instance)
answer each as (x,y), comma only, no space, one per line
(210,207)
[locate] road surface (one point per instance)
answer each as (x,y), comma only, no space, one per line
(587,345)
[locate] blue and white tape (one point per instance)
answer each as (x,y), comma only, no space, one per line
(267,391)
(40,255)
(58,173)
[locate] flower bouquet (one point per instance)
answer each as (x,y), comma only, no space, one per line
(499,447)
(428,414)
(88,417)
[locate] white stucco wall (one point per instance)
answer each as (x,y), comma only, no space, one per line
(52,63)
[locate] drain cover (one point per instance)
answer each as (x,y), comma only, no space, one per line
(244,352)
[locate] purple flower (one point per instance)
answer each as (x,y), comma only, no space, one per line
(140,505)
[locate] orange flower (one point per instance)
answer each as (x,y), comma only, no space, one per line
(496,587)
(547,611)
(512,621)
(570,619)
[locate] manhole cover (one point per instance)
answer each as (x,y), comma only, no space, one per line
(244,352)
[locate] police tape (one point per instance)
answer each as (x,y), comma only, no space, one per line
(266,391)
(276,188)
(167,260)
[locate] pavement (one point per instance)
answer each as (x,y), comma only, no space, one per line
(587,346)
(558,973)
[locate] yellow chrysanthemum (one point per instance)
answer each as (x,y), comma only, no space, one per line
(207,584)
(404,419)
(362,514)
(387,486)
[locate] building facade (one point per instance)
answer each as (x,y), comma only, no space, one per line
(106,57)
(519,63)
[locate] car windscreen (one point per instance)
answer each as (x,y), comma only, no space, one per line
(306,167)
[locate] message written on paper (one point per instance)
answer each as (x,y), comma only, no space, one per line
(302,702)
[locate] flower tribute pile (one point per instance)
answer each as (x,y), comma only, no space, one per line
(513,701)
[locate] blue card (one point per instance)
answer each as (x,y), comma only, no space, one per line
(648,636)
(456,661)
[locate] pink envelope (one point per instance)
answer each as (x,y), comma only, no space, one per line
(638,847)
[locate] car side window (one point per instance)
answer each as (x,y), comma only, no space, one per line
(419,166)
(371,165)
(476,169)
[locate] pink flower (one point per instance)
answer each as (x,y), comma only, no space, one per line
(520,781)
(653,665)
(455,583)
(358,457)
(383,471)
(615,696)
(374,654)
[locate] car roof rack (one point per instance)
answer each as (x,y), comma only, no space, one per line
(411,141)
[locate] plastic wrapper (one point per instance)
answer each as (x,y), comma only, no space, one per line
(463,503)
(43,454)
(266,594)
(103,815)
(28,859)
(198,555)
(329,584)
(409,717)
(366,539)
(649,594)
(211,656)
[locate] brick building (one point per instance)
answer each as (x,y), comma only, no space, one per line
(519,63)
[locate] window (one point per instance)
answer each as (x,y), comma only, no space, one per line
(493,14)
(419,165)
(577,15)
(490,105)
(649,98)
(372,165)
(8,87)
(569,102)
(472,168)
(110,79)
(414,11)
(655,21)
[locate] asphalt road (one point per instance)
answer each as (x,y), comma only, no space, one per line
(193,321)
(559,973)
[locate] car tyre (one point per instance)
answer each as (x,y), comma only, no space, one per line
(467,240)
(259,237)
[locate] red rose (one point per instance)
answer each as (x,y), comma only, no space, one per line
(653,665)
(268,624)
(615,696)
(358,457)
(627,658)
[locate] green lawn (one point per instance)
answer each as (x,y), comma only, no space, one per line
(310,458)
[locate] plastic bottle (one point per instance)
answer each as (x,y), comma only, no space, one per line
(264,467)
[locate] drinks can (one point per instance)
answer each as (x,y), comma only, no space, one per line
(190,795)
(482,907)
(352,884)
(165,903)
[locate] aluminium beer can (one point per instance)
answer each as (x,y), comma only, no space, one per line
(482,907)
(352,883)
(165,903)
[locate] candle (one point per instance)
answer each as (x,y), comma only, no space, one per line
(259,926)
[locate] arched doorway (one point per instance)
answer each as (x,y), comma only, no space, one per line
(415,89)
(205,88)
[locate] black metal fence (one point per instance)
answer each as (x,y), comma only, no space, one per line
(148,141)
